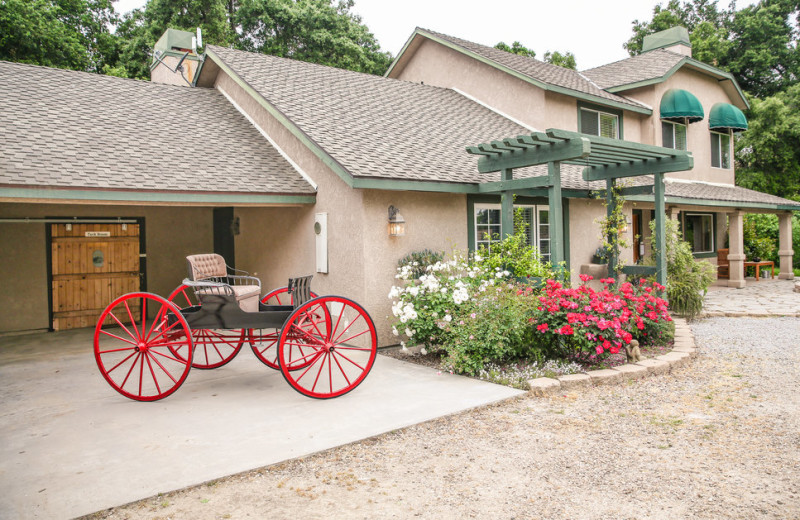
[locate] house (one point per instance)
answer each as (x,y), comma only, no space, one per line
(287,168)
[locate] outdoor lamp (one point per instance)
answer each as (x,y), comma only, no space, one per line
(397,224)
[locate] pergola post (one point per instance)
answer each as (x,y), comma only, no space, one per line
(661,243)
(611,204)
(556,214)
(736,254)
(507,205)
(785,252)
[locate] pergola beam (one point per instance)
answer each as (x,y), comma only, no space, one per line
(515,184)
(637,168)
(557,151)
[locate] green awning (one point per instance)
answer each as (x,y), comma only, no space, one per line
(678,104)
(726,116)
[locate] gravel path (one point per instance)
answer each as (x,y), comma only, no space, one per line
(717,438)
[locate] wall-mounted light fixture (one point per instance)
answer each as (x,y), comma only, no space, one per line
(397,224)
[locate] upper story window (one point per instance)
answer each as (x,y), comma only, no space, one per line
(720,150)
(595,122)
(673,135)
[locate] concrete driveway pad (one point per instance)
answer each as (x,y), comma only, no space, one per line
(70,445)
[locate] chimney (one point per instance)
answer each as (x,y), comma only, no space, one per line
(175,58)
(675,39)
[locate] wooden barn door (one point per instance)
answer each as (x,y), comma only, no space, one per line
(91,265)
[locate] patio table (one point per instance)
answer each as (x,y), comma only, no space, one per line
(759,265)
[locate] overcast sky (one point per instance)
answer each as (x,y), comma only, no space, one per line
(593,30)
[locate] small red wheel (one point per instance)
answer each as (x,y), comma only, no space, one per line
(263,341)
(327,347)
(137,357)
(212,347)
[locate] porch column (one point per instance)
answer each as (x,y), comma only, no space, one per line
(736,254)
(556,214)
(507,205)
(674,212)
(785,252)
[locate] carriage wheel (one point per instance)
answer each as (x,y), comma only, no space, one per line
(264,341)
(338,342)
(137,357)
(212,347)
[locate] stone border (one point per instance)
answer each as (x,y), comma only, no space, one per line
(681,353)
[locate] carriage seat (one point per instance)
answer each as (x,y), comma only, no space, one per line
(211,267)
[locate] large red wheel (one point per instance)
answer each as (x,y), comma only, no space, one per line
(264,341)
(136,356)
(327,347)
(212,347)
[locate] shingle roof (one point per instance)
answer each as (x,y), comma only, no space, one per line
(375,127)
(723,193)
(538,70)
(649,65)
(79,130)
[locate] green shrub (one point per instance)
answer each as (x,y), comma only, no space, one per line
(419,260)
(687,279)
(514,254)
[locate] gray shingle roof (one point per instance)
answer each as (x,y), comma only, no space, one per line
(375,127)
(649,65)
(722,193)
(538,70)
(73,129)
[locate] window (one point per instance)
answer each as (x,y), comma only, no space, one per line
(488,227)
(699,231)
(599,123)
(720,150)
(673,135)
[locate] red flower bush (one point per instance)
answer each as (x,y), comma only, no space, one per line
(581,322)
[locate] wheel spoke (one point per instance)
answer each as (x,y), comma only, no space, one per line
(157,319)
(346,328)
(352,337)
(340,368)
(130,370)
(133,322)
(169,375)
(116,337)
(121,362)
(150,366)
(177,360)
(121,325)
(351,361)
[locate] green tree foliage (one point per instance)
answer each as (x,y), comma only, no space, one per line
(318,31)
(566,60)
(768,154)
(757,44)
(69,34)
(516,48)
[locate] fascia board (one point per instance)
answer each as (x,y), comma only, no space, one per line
(149,197)
(542,85)
(295,130)
(401,54)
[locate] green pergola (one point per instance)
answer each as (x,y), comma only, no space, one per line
(603,159)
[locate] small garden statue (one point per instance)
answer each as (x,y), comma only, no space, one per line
(632,352)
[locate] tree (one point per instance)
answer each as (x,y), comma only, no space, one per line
(566,60)
(768,154)
(516,48)
(317,31)
(70,34)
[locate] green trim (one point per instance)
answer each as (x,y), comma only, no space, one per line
(400,54)
(295,130)
(639,270)
(519,158)
(705,255)
(600,108)
(565,211)
(373,183)
(636,190)
(635,169)
(528,79)
(140,196)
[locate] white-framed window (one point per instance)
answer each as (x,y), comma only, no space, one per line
(594,122)
(698,230)
(489,229)
(720,150)
(673,135)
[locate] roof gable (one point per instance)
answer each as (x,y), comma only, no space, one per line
(543,75)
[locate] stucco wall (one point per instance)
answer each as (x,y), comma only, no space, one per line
(171,234)
(441,66)
(584,228)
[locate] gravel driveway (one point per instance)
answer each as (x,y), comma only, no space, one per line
(719,437)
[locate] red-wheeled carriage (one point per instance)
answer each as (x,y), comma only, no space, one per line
(145,344)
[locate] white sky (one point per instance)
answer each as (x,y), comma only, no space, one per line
(593,30)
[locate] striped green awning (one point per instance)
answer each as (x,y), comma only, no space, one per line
(726,116)
(679,104)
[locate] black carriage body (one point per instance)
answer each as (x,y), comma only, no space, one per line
(223,312)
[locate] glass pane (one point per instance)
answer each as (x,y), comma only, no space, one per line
(680,137)
(589,124)
(494,216)
(527,215)
(544,247)
(715,150)
(481,232)
(544,216)
(699,232)
(725,149)
(608,125)
(667,140)
(482,216)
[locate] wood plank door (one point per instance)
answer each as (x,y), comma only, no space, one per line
(91,265)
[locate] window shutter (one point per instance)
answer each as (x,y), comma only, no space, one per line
(608,126)
(589,124)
